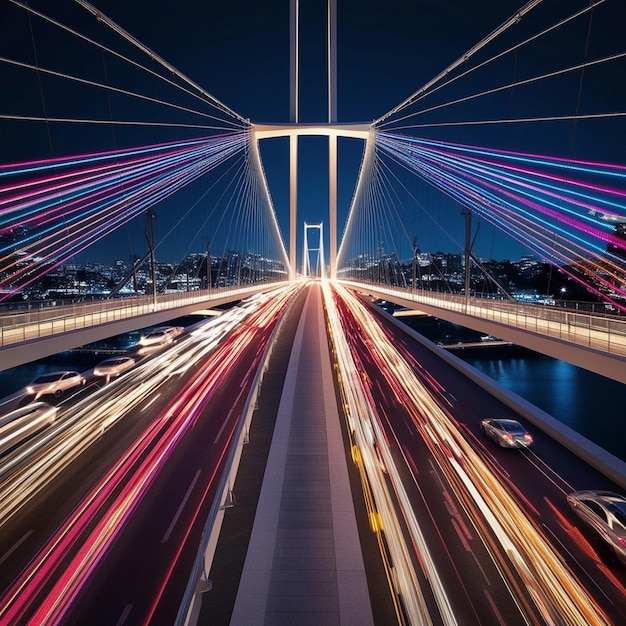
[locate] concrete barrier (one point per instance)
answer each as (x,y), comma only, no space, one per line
(605,462)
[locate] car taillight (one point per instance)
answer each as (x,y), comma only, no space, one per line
(528,437)
(508,438)
(622,541)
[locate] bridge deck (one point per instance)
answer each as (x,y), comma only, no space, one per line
(304,562)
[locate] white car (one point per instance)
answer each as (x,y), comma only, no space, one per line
(605,512)
(23,422)
(114,366)
(161,335)
(55,384)
(506,433)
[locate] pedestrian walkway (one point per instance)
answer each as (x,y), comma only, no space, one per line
(304,563)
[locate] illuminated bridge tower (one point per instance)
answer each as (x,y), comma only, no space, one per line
(320,268)
(294,129)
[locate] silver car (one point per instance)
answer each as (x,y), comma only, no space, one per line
(161,335)
(24,422)
(605,512)
(55,384)
(116,365)
(506,432)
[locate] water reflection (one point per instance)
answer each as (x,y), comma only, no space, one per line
(590,404)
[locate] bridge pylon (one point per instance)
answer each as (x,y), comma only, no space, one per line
(306,261)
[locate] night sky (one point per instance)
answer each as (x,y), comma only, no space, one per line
(239,52)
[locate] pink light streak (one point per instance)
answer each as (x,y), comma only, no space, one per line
(132,476)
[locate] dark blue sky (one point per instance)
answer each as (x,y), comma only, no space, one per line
(239,52)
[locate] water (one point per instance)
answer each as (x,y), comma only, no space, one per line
(590,404)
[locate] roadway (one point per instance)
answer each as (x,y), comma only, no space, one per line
(101,513)
(494,521)
(122,483)
(467,558)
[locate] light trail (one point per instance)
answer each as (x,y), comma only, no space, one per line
(73,554)
(369,439)
(557,594)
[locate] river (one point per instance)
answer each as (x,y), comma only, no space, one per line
(590,404)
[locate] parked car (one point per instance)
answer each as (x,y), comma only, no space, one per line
(506,432)
(24,422)
(605,512)
(55,384)
(161,335)
(114,366)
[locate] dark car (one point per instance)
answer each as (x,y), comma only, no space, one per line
(506,432)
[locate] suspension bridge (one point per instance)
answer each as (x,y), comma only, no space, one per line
(513,135)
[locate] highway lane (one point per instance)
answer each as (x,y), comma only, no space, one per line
(438,532)
(540,477)
(442,489)
(137,505)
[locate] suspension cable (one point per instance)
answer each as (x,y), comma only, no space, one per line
(473,50)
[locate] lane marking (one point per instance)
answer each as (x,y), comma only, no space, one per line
(227,420)
(494,608)
(154,399)
(180,508)
(122,620)
(461,535)
(15,546)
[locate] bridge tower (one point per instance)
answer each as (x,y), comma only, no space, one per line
(294,82)
(294,14)
(332,139)
(306,260)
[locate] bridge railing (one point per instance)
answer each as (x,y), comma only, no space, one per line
(35,322)
(600,331)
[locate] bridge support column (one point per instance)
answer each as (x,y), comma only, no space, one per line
(294,106)
(332,204)
(332,139)
(293,203)
(305,252)
(467,214)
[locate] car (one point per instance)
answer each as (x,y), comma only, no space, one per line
(55,384)
(507,433)
(161,335)
(114,366)
(605,512)
(23,422)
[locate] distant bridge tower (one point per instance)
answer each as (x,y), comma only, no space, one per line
(306,259)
